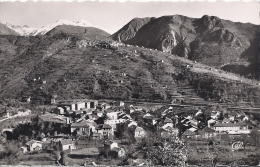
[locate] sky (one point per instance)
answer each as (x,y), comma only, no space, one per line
(111,16)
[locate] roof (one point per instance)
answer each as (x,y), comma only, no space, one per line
(138,129)
(66,141)
(167,120)
(106,126)
(32,141)
(148,116)
(103,126)
(207,129)
(230,124)
(188,133)
(193,129)
(82,123)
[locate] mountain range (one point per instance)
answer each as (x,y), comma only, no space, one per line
(28,31)
(210,40)
(148,59)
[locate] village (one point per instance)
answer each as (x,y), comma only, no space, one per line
(114,128)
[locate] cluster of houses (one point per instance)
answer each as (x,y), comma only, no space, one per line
(200,125)
(101,121)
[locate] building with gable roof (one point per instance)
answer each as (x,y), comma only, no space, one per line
(67,144)
(139,133)
(83,127)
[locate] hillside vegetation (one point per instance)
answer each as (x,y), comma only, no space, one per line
(43,66)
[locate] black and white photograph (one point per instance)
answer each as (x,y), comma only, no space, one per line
(130,83)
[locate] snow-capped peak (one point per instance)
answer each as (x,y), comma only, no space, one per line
(43,30)
(22,30)
(25,30)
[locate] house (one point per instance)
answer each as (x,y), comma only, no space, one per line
(189,134)
(112,114)
(72,106)
(33,145)
(155,121)
(215,115)
(109,145)
(67,144)
(168,131)
(224,127)
(167,120)
(132,123)
(211,122)
(199,113)
(119,103)
(167,125)
(113,123)
(148,118)
(207,132)
(24,149)
(59,111)
(225,120)
(53,101)
(105,130)
(91,104)
(82,128)
(79,105)
(139,133)
(96,136)
(117,152)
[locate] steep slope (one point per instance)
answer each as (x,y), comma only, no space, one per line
(4,30)
(130,29)
(51,65)
(87,32)
(209,39)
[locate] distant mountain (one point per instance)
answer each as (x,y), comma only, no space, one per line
(25,30)
(4,30)
(87,32)
(21,30)
(209,39)
(43,30)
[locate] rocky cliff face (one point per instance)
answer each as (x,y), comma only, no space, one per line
(209,39)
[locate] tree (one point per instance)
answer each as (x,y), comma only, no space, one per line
(168,152)
(56,155)
(244,138)
(63,159)
(255,136)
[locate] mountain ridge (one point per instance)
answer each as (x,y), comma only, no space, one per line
(209,39)
(28,31)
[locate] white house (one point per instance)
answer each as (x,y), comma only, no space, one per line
(80,105)
(59,111)
(67,144)
(112,115)
(132,123)
(230,127)
(139,133)
(33,145)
